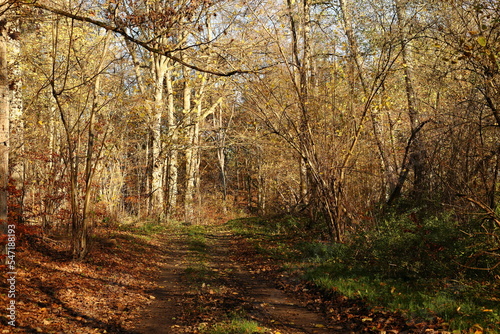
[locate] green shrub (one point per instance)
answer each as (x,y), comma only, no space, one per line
(405,247)
(412,262)
(321,252)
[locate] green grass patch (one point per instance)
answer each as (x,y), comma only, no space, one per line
(149,228)
(420,299)
(272,227)
(271,237)
(235,325)
(196,239)
(408,263)
(198,270)
(248,227)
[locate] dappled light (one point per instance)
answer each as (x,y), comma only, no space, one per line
(250,166)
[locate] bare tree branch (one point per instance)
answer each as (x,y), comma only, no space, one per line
(120,30)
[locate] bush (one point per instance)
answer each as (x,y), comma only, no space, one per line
(321,252)
(404,246)
(414,265)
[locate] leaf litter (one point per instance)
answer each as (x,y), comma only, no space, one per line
(138,285)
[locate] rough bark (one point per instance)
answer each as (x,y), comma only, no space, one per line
(17,164)
(4,130)
(160,65)
(221,155)
(192,167)
(172,157)
(190,150)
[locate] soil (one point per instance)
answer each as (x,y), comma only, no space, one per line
(169,294)
(237,284)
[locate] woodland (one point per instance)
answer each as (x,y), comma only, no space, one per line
(362,135)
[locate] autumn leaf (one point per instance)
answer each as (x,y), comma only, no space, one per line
(481,40)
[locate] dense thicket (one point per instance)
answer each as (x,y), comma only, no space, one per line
(339,110)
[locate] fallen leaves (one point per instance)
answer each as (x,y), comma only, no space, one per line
(106,293)
(100,295)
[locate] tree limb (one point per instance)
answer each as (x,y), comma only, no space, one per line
(121,31)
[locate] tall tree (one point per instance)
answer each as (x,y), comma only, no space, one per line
(78,103)
(4,122)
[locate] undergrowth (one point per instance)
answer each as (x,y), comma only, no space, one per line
(406,262)
(236,324)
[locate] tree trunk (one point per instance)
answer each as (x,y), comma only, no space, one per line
(172,158)
(261,185)
(389,173)
(192,165)
(4,130)
(160,64)
(192,120)
(81,230)
(418,153)
(17,163)
(304,182)
(221,154)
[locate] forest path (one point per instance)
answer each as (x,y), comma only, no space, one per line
(160,316)
(213,279)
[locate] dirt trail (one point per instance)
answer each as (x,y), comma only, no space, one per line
(263,299)
(160,315)
(230,285)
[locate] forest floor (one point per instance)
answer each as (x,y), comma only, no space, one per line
(216,283)
(188,279)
